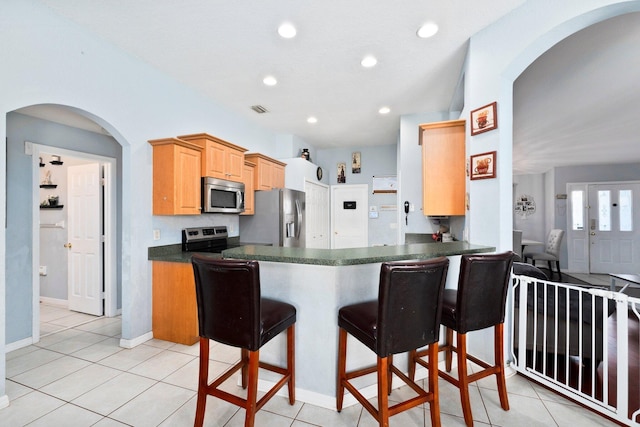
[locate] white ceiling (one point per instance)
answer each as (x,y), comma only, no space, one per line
(575,104)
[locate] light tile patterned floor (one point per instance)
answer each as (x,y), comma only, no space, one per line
(80,377)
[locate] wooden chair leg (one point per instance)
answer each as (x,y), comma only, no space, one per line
(342,364)
(383,386)
(389,374)
(499,356)
(432,382)
(448,348)
(463,378)
(244,356)
(412,364)
(291,363)
(550,269)
(203,381)
(252,392)
(558,268)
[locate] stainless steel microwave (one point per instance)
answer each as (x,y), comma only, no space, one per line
(222,196)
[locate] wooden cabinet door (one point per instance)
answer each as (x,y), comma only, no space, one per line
(214,164)
(443,168)
(187,181)
(249,195)
(234,165)
(176,177)
(278,176)
(264,175)
(174,308)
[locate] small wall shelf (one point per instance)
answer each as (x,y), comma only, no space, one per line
(52,207)
(48,185)
(56,162)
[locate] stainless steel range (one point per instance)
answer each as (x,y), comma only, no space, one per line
(204,239)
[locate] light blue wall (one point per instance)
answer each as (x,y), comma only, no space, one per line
(19,274)
(375,161)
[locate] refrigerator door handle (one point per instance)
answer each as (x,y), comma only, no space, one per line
(298,219)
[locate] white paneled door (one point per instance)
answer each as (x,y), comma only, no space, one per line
(84,242)
(613,221)
(349,216)
(317,215)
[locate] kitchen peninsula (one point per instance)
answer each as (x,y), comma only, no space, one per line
(320,281)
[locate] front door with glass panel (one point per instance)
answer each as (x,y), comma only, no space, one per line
(613,217)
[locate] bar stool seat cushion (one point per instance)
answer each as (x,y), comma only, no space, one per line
(361,321)
(275,317)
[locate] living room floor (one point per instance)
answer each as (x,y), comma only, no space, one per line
(81,377)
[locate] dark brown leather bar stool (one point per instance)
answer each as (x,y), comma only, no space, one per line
(405,316)
(231,311)
(478,303)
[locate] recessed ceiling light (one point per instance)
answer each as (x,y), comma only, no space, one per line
(287,30)
(270,81)
(384,110)
(312,120)
(427,30)
(369,61)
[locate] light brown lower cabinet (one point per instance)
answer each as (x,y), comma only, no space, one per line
(174,312)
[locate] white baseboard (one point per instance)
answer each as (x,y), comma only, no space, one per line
(136,341)
(55,301)
(4,401)
(18,344)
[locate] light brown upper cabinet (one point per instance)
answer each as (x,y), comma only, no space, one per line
(220,159)
(176,177)
(249,196)
(443,168)
(269,173)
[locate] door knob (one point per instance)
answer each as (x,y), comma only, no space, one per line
(593,233)
(67,245)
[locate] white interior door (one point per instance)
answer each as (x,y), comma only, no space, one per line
(85,239)
(349,216)
(614,218)
(317,215)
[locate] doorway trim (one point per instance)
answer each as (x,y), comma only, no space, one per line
(110,240)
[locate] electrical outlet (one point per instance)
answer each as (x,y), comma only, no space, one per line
(412,207)
(156,234)
(43,270)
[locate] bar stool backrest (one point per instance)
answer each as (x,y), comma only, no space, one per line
(409,304)
(482,290)
(228,294)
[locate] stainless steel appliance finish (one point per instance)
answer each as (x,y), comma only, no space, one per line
(204,239)
(279,219)
(222,196)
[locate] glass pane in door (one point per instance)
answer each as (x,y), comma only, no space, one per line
(604,210)
(626,205)
(577,210)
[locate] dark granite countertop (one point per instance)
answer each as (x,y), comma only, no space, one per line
(354,256)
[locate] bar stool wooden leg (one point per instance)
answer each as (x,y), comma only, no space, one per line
(203,381)
(342,365)
(244,356)
(252,388)
(448,348)
(389,373)
(434,405)
(291,363)
(383,387)
(499,356)
(463,378)
(412,356)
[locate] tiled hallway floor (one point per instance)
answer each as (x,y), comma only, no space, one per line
(81,377)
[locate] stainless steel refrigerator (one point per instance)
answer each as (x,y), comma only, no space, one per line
(279,219)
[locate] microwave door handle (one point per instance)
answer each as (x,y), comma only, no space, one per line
(239,201)
(298,219)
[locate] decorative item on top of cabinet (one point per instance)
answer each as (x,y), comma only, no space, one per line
(269,173)
(176,177)
(443,168)
(249,196)
(220,159)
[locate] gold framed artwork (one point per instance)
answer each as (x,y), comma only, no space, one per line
(483,165)
(484,119)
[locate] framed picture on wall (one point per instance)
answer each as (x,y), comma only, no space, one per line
(483,165)
(355,162)
(484,119)
(342,170)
